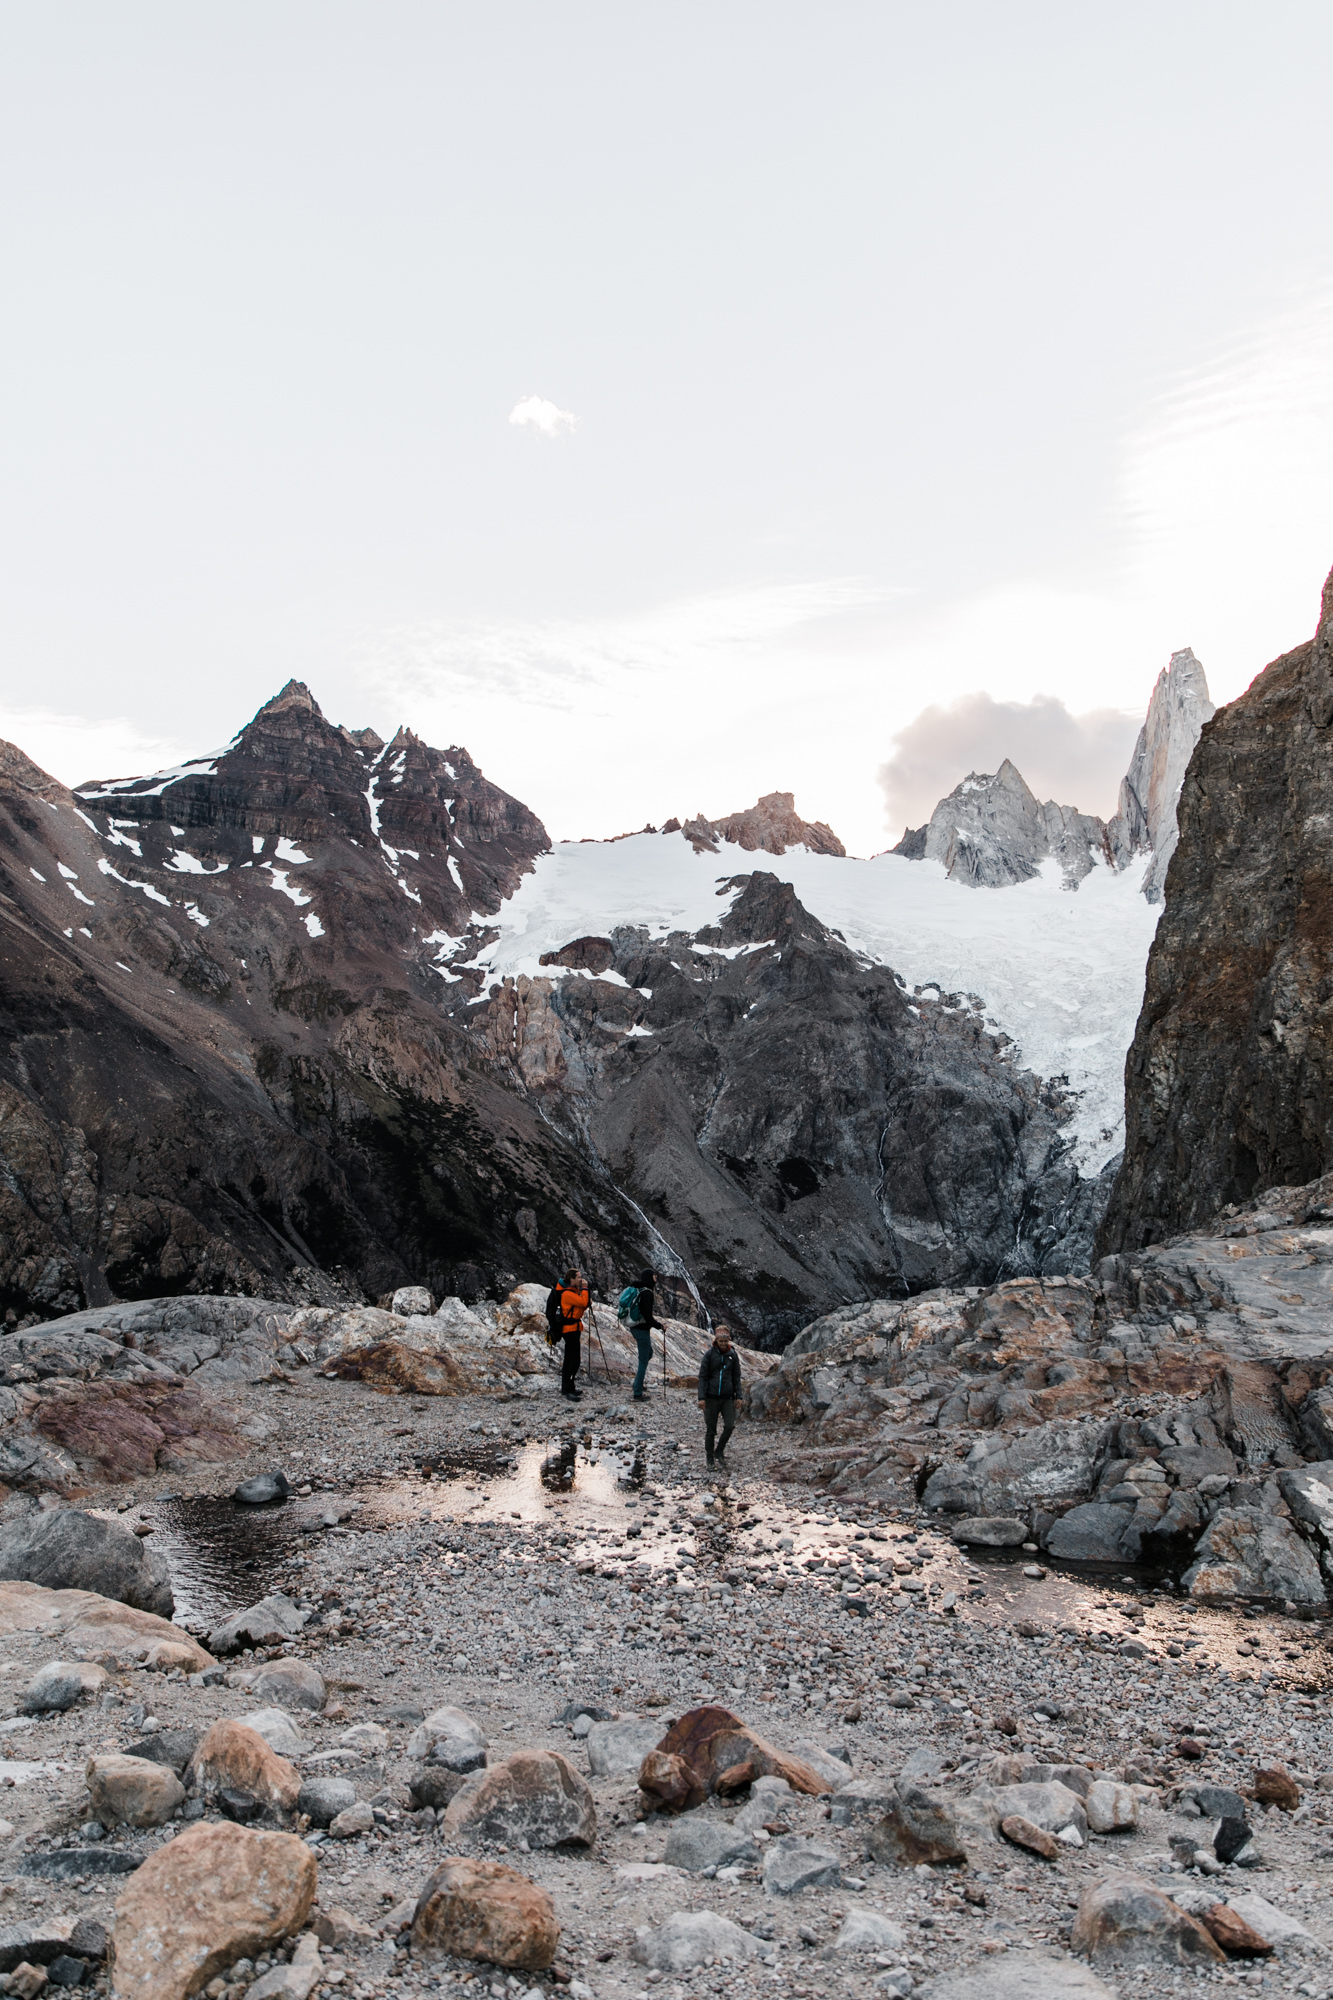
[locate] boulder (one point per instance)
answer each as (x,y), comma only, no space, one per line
(1024,1834)
(278,1730)
(322,1799)
(1094,1532)
(693,1937)
(535,1795)
(1316,1424)
(1052,1807)
(704,1748)
(868,1930)
(1015,1975)
(1233,1836)
(484,1910)
(1275,1786)
(434,1786)
(1277,1926)
(445,1731)
(170,1747)
(34,1942)
(59,1684)
(1216,1801)
(792,1864)
(991,1531)
(864,1801)
(66,1549)
(919,1826)
(285,1683)
(617,1749)
(232,1757)
(409,1299)
(1249,1553)
(83,1622)
(922,1764)
(353,1821)
(211,1896)
(1229,1929)
(1005,1475)
(1125,1920)
(1111,1808)
(265,1486)
(337,1928)
(295,1981)
(704,1840)
(131,1791)
(270,1622)
(834,1771)
(1308,1491)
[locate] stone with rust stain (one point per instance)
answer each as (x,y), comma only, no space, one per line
(485,1910)
(1125,1920)
(1275,1786)
(211,1896)
(1023,1833)
(234,1758)
(1237,1938)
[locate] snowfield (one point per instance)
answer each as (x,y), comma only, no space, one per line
(1059,970)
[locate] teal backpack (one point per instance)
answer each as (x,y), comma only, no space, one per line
(627,1305)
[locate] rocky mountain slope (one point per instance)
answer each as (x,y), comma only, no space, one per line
(252,1043)
(991,830)
(1229,1082)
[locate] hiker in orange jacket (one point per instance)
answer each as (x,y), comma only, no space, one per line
(573,1305)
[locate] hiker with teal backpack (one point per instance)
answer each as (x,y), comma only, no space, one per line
(634,1309)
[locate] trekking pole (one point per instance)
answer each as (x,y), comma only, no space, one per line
(597,1335)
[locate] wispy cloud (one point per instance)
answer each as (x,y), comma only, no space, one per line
(546,418)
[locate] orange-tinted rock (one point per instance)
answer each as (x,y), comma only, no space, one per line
(1237,1938)
(93,1627)
(484,1910)
(1023,1833)
(127,1429)
(235,1758)
(1275,1786)
(1125,1920)
(669,1783)
(711,1742)
(211,1896)
(131,1791)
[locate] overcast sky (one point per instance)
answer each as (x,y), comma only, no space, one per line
(669,403)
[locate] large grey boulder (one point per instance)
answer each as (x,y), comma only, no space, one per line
(792,1864)
(1052,1807)
(616,1749)
(535,1795)
(59,1684)
(325,1798)
(450,1736)
(286,1683)
(1094,1532)
(1248,1553)
(918,1826)
(267,1623)
(1316,1422)
(66,1549)
(698,1841)
(1308,1491)
(1125,1921)
(990,1531)
(692,1937)
(1052,1463)
(278,1730)
(864,1801)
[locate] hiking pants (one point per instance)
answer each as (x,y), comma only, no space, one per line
(569,1368)
(715,1407)
(643,1340)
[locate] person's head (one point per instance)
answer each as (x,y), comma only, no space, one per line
(571,1276)
(722,1337)
(645,1278)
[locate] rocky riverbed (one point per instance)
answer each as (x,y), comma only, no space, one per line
(534,1567)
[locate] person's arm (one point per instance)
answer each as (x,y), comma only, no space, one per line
(703,1383)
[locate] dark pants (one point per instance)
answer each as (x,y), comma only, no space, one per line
(569,1368)
(715,1407)
(643,1340)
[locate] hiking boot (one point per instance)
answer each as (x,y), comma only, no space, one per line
(643,1396)
(709,1463)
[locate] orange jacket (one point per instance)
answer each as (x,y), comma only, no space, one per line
(573,1305)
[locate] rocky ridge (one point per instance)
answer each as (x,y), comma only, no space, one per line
(991,831)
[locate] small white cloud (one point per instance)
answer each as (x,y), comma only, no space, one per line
(542,416)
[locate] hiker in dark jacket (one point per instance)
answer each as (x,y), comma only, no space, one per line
(636,1307)
(719,1386)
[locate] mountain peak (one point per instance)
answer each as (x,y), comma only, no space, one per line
(295,695)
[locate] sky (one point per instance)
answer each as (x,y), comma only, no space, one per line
(669,404)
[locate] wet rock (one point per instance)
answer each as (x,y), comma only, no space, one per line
(1024,1834)
(172,1747)
(265,1486)
(65,1549)
(617,1749)
(59,1684)
(294,1981)
(693,1937)
(131,1791)
(700,1841)
(353,1820)
(1275,1786)
(920,1826)
(535,1795)
(444,1732)
(1111,1808)
(991,1531)
(1125,1920)
(484,1910)
(792,1864)
(324,1798)
(285,1683)
(211,1896)
(868,1930)
(1094,1532)
(270,1622)
(232,1757)
(1249,1553)
(1019,1976)
(410,1299)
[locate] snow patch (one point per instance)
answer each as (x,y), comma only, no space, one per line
(314,926)
(286,888)
(181,863)
(155,895)
(453,870)
(196,916)
(287,852)
(40,878)
(156,782)
(257,843)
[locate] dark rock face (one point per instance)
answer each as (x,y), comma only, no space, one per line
(770,827)
(68,1550)
(1229,1082)
(794,1125)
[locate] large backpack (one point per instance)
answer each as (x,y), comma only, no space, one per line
(627,1305)
(555,1318)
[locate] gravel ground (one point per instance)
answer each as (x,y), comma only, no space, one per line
(458,1573)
